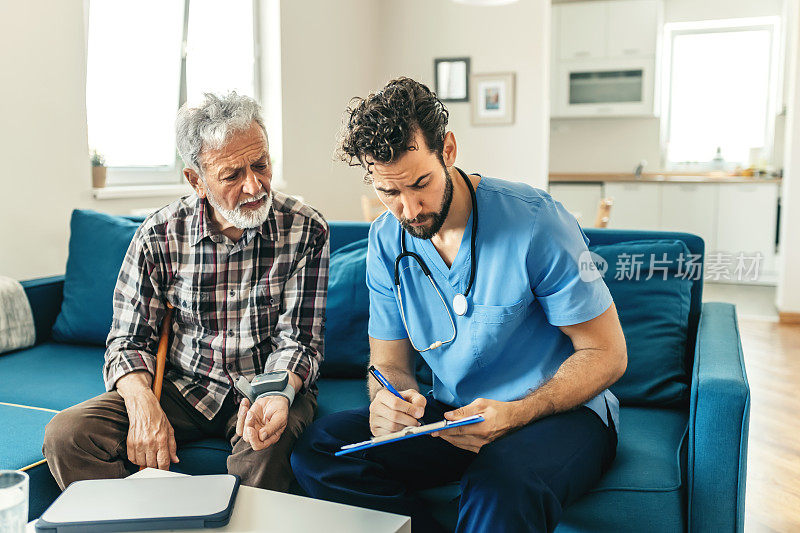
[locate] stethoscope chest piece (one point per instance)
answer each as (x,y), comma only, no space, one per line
(460,304)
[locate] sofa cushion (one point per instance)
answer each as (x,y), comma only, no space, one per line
(97,246)
(201,457)
(52,375)
(654,314)
(22,435)
(346,341)
(344,232)
(642,491)
(341,395)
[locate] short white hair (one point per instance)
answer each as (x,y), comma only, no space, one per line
(210,125)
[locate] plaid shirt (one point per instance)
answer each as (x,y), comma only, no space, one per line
(241,308)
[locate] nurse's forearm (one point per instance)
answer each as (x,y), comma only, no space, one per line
(400,379)
(580,378)
(395,360)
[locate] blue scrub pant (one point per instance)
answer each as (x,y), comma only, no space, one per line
(520,482)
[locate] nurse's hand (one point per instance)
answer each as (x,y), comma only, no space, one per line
(388,413)
(497,421)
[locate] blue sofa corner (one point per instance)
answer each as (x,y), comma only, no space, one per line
(679,467)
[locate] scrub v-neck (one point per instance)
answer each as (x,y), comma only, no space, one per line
(461,262)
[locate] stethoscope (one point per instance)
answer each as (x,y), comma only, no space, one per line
(460,304)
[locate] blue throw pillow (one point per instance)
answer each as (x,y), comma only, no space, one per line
(97,246)
(346,338)
(654,314)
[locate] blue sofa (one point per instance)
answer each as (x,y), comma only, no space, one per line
(683,431)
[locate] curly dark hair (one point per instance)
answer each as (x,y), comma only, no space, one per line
(383,124)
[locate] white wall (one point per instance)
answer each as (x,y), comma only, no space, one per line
(328,55)
(332,51)
(788,293)
(513,38)
(618,144)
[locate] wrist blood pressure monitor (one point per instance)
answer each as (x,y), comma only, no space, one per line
(275,383)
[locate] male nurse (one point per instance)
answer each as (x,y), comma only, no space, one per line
(533,349)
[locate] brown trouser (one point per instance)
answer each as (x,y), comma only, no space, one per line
(87,441)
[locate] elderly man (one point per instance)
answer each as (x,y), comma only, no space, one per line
(246,269)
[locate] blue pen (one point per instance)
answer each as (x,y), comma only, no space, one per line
(383,381)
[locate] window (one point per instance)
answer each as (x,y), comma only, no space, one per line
(720,90)
(145,59)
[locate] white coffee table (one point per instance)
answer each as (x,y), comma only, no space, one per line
(268,511)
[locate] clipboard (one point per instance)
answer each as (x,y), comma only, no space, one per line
(131,504)
(408,433)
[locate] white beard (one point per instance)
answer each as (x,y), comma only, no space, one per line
(243,218)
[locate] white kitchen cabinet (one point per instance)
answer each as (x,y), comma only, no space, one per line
(692,208)
(636,205)
(746,221)
(732,218)
(632,28)
(582,30)
(580,199)
(604,58)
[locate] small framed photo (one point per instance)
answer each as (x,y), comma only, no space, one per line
(493,98)
(452,79)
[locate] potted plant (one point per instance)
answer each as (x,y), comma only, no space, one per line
(98,170)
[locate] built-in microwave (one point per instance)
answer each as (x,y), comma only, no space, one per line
(613,87)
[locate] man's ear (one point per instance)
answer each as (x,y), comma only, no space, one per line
(449,150)
(194,180)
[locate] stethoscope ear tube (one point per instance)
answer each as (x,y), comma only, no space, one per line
(417,258)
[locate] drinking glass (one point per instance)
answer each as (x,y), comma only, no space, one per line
(13,501)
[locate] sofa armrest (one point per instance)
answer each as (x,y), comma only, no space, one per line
(719,415)
(45,296)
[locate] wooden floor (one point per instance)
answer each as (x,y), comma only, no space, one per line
(772,359)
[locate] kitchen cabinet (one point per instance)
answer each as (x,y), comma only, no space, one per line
(732,218)
(746,221)
(636,205)
(692,208)
(604,58)
(580,199)
(632,28)
(582,29)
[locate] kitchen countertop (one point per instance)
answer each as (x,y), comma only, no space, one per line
(655,177)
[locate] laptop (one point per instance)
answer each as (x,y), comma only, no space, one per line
(142,504)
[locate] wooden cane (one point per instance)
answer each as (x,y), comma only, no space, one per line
(161,355)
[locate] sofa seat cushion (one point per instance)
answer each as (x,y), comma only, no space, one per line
(52,375)
(643,483)
(206,456)
(22,435)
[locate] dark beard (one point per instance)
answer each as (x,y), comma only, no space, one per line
(438,219)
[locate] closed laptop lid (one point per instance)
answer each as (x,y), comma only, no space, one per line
(164,501)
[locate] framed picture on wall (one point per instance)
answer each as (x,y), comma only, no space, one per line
(452,79)
(493,98)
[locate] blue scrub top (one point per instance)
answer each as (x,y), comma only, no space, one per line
(526,284)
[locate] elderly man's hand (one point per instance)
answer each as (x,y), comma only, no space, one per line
(151,439)
(262,424)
